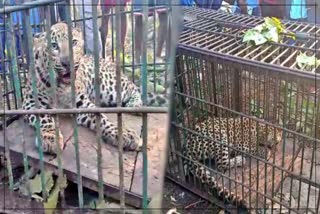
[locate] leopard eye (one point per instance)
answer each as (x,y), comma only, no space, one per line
(74,42)
(54,46)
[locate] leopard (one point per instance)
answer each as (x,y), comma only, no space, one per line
(223,139)
(57,56)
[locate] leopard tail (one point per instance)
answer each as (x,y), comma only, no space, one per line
(222,193)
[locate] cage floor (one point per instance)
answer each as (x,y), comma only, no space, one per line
(133,161)
(257,179)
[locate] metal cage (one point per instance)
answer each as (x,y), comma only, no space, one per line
(128,177)
(218,76)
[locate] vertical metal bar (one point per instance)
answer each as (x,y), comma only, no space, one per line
(250,137)
(317,122)
(18,95)
(314,147)
(257,109)
(73,98)
(34,89)
(302,149)
(119,98)
(133,42)
(83,23)
(144,100)
(12,55)
(154,45)
(52,76)
(179,88)
(266,91)
(285,122)
(97,83)
(295,112)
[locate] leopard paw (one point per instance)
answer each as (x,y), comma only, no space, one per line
(49,144)
(131,140)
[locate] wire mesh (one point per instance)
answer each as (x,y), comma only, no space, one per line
(27,27)
(250,108)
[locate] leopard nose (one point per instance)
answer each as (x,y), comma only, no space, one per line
(65,61)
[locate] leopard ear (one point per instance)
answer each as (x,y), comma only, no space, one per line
(40,35)
(78,29)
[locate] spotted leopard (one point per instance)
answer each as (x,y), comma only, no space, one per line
(242,134)
(84,88)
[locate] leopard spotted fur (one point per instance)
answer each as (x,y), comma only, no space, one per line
(212,142)
(84,88)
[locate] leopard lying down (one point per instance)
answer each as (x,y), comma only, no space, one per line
(241,134)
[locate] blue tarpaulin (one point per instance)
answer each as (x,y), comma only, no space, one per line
(17,18)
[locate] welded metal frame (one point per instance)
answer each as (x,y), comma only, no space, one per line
(210,53)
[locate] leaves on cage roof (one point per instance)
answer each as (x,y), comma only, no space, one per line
(307,63)
(255,36)
(271,30)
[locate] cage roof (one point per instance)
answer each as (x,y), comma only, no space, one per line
(220,34)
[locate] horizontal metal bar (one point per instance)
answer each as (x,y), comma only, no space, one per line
(27,5)
(224,176)
(193,11)
(239,26)
(235,36)
(248,116)
(111,191)
(39,3)
(151,110)
(240,60)
(247,154)
(203,195)
(189,187)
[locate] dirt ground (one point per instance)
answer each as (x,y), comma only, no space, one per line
(185,201)
(174,197)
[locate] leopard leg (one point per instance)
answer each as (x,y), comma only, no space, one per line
(206,178)
(222,156)
(47,124)
(153,99)
(109,131)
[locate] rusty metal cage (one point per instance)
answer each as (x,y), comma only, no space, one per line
(130,177)
(219,78)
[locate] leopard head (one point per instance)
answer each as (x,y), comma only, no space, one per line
(60,52)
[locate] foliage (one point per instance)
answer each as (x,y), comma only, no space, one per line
(35,185)
(307,63)
(53,188)
(271,30)
(52,201)
(255,109)
(96,204)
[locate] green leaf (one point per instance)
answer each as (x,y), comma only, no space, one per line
(272,35)
(95,204)
(307,62)
(159,88)
(274,22)
(254,36)
(102,205)
(35,184)
(259,28)
(52,201)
